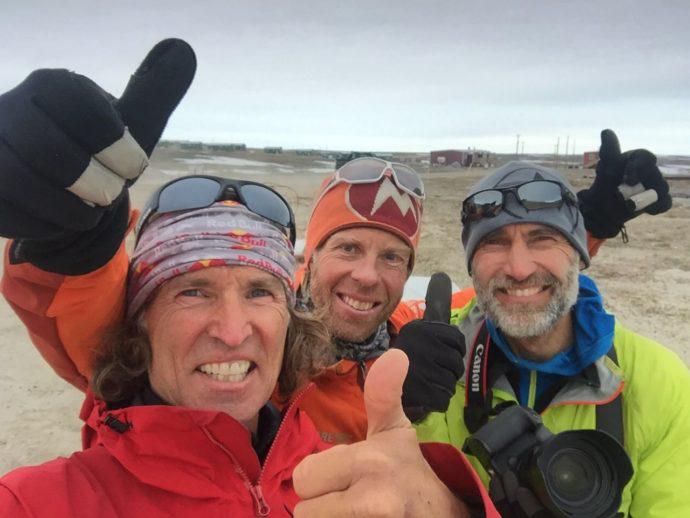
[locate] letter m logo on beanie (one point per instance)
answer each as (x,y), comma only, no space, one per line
(380,205)
(384,203)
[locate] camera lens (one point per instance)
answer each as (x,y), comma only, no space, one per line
(581,474)
(573,475)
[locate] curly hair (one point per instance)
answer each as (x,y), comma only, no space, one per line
(121,369)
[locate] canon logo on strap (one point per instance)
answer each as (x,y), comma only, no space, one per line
(477,358)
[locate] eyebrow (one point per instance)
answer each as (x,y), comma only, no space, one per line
(271,281)
(402,250)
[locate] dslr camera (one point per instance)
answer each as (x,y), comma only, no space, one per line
(578,473)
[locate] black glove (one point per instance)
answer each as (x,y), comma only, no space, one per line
(513,500)
(603,205)
(436,351)
(68,152)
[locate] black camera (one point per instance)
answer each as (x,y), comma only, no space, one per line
(579,473)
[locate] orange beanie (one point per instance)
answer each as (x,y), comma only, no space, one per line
(378,205)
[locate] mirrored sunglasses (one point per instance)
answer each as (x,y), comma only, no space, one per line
(198,192)
(533,195)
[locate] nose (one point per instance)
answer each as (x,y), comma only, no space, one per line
(229,321)
(365,271)
(519,261)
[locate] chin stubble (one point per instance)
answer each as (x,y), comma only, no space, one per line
(526,320)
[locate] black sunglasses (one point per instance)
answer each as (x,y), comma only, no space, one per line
(200,191)
(533,195)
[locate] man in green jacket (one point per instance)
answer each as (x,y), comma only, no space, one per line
(537,334)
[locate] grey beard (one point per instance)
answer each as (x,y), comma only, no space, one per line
(529,321)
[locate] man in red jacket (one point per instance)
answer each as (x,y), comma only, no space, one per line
(180,422)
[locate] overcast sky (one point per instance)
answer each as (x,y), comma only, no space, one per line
(387,75)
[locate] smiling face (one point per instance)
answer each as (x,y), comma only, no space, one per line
(357,279)
(217,339)
(526,278)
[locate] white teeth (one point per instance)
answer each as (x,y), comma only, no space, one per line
(524,292)
(227,371)
(357,304)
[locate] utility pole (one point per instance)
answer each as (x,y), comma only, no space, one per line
(558,144)
(567,141)
(517,147)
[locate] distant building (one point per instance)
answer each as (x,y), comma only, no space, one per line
(457,158)
(344,158)
(192,145)
(451,157)
(227,147)
(590,159)
(273,150)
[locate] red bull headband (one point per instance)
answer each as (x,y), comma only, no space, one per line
(224,234)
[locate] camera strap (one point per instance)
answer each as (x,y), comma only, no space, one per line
(479,397)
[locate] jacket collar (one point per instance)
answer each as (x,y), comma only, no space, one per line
(196,453)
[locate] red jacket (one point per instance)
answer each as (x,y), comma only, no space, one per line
(152,461)
(164,461)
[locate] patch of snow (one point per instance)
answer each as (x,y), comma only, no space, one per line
(257,172)
(415,287)
(224,160)
(674,169)
(172,172)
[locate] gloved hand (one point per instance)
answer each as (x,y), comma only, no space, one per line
(68,152)
(436,351)
(513,500)
(603,206)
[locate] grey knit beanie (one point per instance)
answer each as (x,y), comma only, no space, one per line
(567,219)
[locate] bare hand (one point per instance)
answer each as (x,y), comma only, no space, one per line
(384,475)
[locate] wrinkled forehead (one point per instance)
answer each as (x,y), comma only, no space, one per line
(526,230)
(230,276)
(368,236)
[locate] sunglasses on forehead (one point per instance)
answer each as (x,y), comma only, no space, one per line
(198,192)
(533,195)
(371,170)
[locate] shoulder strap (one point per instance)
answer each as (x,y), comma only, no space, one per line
(610,415)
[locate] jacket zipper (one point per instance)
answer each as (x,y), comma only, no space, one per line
(262,507)
(294,401)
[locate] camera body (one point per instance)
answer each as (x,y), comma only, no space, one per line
(578,473)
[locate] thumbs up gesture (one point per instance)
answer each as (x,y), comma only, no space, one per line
(626,184)
(69,150)
(384,475)
(436,351)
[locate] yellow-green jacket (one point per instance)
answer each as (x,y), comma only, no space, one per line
(656,417)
